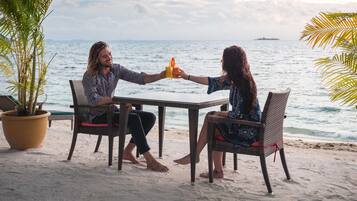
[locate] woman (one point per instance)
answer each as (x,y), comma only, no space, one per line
(243,98)
(100,81)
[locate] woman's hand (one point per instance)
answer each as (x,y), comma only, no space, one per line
(181,73)
(217,113)
(222,114)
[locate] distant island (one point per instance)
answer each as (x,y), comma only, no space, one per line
(263,38)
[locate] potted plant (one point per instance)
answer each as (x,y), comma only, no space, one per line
(22,53)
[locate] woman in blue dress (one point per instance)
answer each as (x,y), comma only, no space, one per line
(238,79)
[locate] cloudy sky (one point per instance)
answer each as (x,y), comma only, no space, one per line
(185,19)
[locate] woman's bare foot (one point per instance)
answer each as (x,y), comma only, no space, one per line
(156,166)
(216,174)
(130,157)
(186,160)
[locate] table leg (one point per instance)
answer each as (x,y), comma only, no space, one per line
(162,111)
(193,125)
(123,121)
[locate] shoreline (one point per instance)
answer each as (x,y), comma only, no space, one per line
(323,145)
(298,142)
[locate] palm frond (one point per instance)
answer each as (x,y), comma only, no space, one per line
(6,66)
(327,28)
(339,74)
(349,46)
(345,91)
(342,15)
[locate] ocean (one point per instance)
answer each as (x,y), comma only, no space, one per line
(276,65)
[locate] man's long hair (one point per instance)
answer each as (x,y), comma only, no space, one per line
(235,64)
(93,60)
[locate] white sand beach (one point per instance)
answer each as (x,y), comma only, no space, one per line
(319,171)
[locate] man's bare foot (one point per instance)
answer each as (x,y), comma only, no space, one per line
(186,160)
(130,157)
(216,174)
(156,166)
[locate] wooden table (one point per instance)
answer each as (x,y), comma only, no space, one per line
(192,102)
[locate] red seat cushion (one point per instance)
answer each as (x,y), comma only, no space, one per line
(256,144)
(219,137)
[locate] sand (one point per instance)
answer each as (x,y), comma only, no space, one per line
(319,171)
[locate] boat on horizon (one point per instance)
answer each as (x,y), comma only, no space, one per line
(264,38)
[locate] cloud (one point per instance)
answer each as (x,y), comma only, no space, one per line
(140,9)
(185,19)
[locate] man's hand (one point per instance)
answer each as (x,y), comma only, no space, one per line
(163,74)
(128,107)
(105,100)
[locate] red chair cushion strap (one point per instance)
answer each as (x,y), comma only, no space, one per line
(275,145)
(93,125)
(96,125)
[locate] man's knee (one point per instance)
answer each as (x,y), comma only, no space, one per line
(133,118)
(149,117)
(152,117)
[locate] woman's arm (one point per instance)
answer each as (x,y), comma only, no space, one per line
(197,79)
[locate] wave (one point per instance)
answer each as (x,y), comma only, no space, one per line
(328,109)
(320,134)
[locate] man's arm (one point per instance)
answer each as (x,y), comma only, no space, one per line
(148,78)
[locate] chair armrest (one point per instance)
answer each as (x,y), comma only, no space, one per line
(107,107)
(94,106)
(220,119)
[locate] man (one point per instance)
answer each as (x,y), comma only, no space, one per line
(100,81)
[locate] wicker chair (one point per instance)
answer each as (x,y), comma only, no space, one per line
(270,135)
(81,107)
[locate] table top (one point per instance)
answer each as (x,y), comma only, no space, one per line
(180,100)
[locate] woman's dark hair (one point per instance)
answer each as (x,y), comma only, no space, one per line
(93,61)
(235,64)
